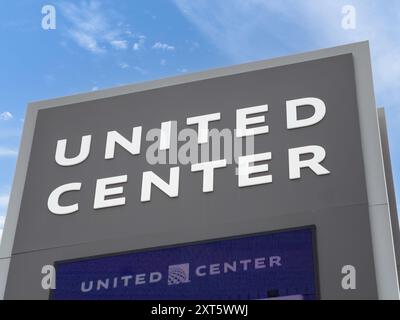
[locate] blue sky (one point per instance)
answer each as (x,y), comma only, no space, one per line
(100,44)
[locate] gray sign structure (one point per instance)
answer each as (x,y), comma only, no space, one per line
(349,207)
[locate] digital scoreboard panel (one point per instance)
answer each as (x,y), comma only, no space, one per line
(275,265)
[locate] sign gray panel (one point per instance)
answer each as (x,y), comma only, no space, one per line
(331,80)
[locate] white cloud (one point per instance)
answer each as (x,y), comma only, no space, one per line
(139,44)
(136,46)
(274,28)
(163,46)
(87,42)
(7,152)
(91,29)
(5,116)
(123,65)
(249,30)
(140,70)
(119,44)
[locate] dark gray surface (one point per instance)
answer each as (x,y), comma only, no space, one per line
(38,229)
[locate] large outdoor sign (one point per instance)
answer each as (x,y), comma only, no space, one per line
(256,148)
(265,266)
(246,121)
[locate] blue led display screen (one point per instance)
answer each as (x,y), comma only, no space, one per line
(276,265)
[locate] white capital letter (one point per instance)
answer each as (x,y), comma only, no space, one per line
(242,121)
(82,156)
(171,188)
(245,170)
(291,112)
(202,122)
(208,172)
(53,201)
(114,137)
(165,138)
(102,192)
(295,164)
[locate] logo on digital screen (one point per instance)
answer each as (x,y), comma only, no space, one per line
(178,274)
(270,266)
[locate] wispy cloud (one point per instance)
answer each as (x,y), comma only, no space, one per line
(7,152)
(86,41)
(119,44)
(136,46)
(140,70)
(259,29)
(6,116)
(163,46)
(123,65)
(139,44)
(91,29)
